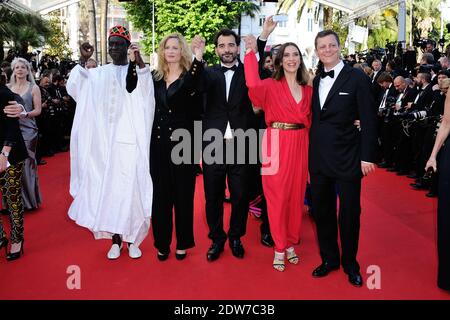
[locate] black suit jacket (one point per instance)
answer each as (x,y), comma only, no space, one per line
(218,111)
(425,99)
(409,96)
(336,146)
(10,134)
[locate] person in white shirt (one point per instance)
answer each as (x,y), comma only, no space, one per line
(110,145)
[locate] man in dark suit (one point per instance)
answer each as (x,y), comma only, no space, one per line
(377,67)
(340,155)
(227,107)
(385,114)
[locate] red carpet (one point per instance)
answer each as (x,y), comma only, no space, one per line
(397,235)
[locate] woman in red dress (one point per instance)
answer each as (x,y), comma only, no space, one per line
(286,101)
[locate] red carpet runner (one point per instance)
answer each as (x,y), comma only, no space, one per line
(397,236)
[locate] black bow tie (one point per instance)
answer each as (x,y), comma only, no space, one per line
(324,74)
(225,69)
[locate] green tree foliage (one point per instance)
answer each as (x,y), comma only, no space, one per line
(21,30)
(57,42)
(188,17)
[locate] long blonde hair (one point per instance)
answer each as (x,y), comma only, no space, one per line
(186,56)
(30,77)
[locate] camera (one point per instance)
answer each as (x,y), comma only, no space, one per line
(415,115)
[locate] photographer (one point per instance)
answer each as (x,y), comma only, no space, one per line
(432,122)
(403,146)
(431,48)
(385,116)
(45,121)
(417,111)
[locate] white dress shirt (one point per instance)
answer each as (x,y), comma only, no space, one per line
(228,77)
(327,82)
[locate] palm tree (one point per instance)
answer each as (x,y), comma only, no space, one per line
(426,17)
(22,30)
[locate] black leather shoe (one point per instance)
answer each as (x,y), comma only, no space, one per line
(431,194)
(355,279)
(323,270)
(418,186)
(392,170)
(266,240)
(162,256)
(402,173)
(180,256)
(412,176)
(237,249)
(214,252)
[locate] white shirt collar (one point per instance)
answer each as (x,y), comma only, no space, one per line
(337,68)
(236,64)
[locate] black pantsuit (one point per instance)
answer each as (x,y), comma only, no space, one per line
(176,107)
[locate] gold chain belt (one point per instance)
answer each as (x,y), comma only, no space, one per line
(287,126)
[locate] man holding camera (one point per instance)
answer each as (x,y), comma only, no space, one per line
(385,114)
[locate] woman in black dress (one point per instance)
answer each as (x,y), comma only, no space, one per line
(443,218)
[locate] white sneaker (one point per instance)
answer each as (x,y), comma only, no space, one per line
(133,251)
(114,252)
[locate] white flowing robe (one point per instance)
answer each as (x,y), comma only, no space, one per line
(109,152)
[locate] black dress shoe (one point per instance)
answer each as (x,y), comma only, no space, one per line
(402,173)
(412,176)
(214,252)
(431,194)
(162,256)
(237,249)
(180,256)
(323,270)
(418,186)
(355,279)
(392,169)
(266,240)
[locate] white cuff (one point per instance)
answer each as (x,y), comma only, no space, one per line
(143,70)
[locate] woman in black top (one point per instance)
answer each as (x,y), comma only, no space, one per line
(13,153)
(177,107)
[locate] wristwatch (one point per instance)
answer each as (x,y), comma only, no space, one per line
(5,154)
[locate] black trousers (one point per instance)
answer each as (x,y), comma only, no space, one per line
(214,176)
(323,191)
(388,141)
(173,193)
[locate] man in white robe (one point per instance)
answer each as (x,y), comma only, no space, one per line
(110,145)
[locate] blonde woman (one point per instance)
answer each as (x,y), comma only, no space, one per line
(23,84)
(176,104)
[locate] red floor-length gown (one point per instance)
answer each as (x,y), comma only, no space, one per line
(285,164)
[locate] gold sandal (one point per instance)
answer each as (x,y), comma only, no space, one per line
(278,262)
(292,256)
